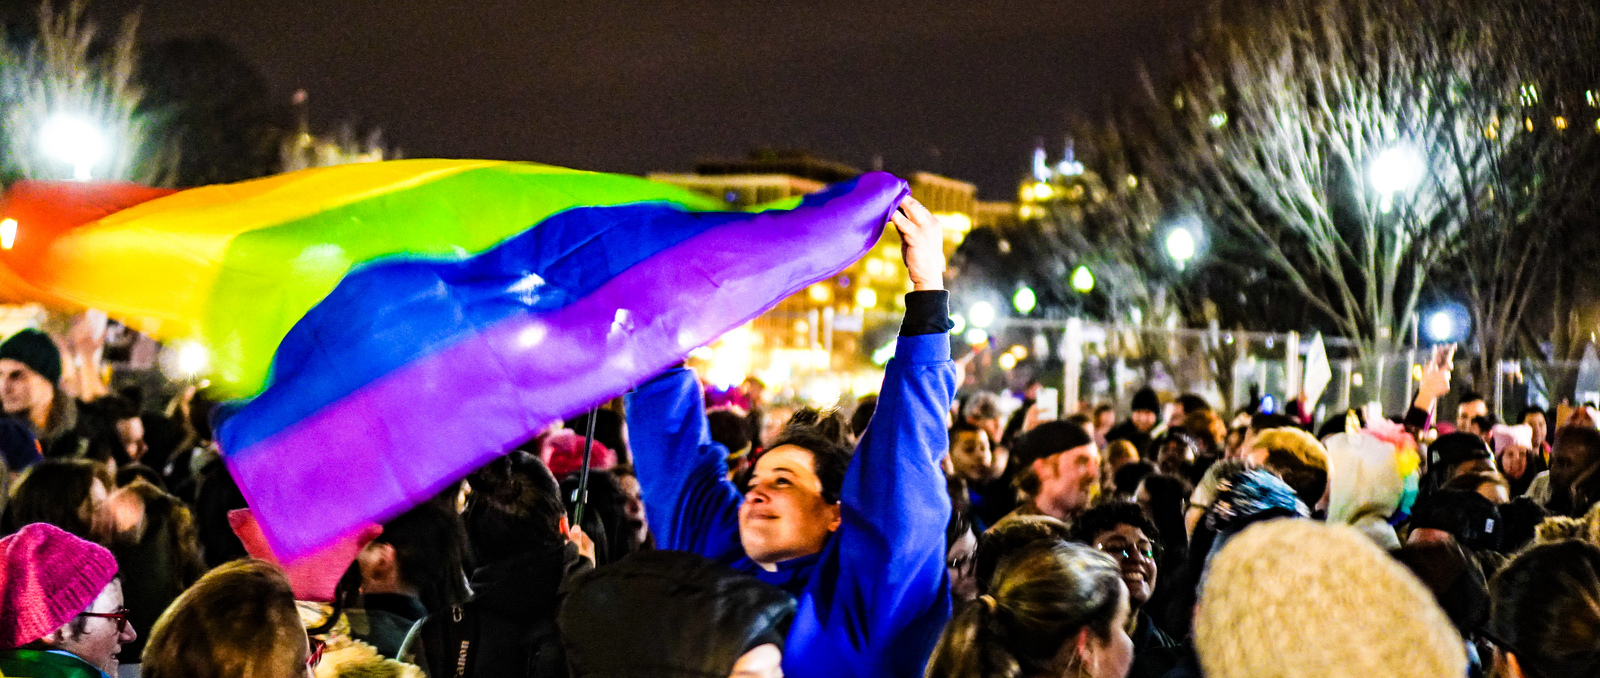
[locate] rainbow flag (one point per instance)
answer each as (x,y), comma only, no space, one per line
(418,318)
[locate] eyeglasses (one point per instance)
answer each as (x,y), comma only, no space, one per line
(1123,550)
(315,657)
(120,615)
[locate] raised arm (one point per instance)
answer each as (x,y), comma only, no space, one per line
(883,596)
(688,499)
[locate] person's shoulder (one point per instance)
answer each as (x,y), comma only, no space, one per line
(41,664)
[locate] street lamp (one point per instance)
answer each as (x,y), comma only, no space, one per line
(1441,326)
(73,140)
(1396,170)
(1024,300)
(1181,245)
(1082,280)
(1447,323)
(981,315)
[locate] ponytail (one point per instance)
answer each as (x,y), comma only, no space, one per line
(1040,599)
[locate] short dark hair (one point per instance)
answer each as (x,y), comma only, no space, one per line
(1129,475)
(1191,402)
(1531,409)
(56,491)
(1010,536)
(430,546)
(1106,517)
(1544,607)
(515,508)
(820,435)
(728,429)
(1484,422)
(1469,396)
(859,419)
(1262,422)
(980,406)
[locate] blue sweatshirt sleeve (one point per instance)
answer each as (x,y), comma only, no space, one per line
(880,597)
(690,503)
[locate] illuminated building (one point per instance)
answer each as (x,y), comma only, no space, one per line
(830,340)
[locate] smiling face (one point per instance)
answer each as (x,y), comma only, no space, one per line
(784,515)
(100,641)
(1134,552)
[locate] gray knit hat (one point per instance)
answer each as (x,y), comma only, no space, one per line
(1300,599)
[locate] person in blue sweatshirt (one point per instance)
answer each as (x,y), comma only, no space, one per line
(858,540)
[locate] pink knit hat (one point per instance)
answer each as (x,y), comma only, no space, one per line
(47,577)
(562,451)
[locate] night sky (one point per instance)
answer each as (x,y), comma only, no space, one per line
(963,89)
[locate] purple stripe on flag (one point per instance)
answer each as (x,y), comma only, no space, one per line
(403,437)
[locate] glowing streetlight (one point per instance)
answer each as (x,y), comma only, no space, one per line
(1007,361)
(1396,170)
(1082,280)
(1181,245)
(866,297)
(1448,324)
(73,140)
(981,315)
(1024,300)
(976,337)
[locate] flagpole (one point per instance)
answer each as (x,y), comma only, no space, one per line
(581,496)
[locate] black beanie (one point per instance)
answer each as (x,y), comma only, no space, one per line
(1147,400)
(36,350)
(669,614)
(1048,439)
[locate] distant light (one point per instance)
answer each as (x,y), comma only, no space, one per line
(981,315)
(977,337)
(1219,119)
(705,353)
(1007,361)
(1441,326)
(866,297)
(1070,168)
(884,353)
(1019,351)
(1356,380)
(1133,181)
(819,293)
(958,324)
(1043,191)
(73,140)
(8,233)
(1180,245)
(192,359)
(1041,166)
(1396,170)
(1024,300)
(1083,280)
(876,267)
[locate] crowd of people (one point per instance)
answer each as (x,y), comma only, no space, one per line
(926,531)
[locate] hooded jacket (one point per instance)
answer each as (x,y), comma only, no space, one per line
(875,599)
(1367,486)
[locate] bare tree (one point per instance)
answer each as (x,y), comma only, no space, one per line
(1329,138)
(69,71)
(1530,138)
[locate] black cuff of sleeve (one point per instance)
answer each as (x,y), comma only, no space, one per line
(927,312)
